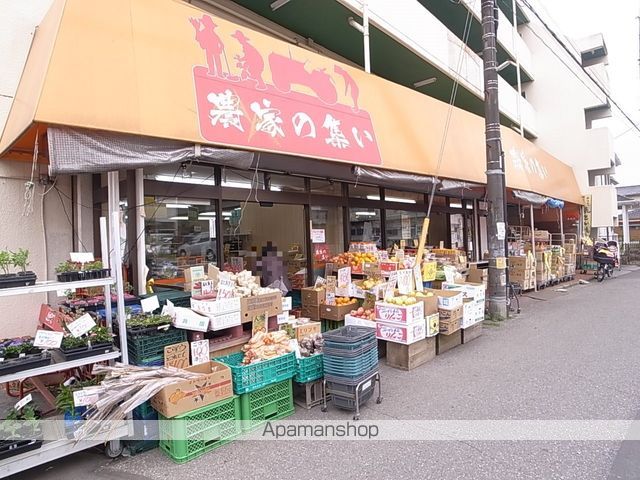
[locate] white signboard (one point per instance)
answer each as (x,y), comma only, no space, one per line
(149,304)
(84,398)
(189,320)
(81,325)
(81,257)
(501,230)
(199,352)
(48,339)
(317,235)
(225,287)
(417,278)
(25,400)
(405,281)
(287,304)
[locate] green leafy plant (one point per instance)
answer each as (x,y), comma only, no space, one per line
(149,320)
(64,399)
(67,266)
(69,343)
(97,265)
(21,424)
(96,336)
(20,259)
(5,261)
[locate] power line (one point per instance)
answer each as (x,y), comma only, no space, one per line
(564,46)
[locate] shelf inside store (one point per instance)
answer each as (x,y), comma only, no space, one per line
(59,366)
(51,286)
(54,449)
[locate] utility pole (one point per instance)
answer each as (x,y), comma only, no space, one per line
(496,225)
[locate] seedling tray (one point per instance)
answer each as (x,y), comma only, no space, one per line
(12,365)
(10,448)
(83,352)
(17,280)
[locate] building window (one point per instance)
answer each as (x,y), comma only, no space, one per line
(365,225)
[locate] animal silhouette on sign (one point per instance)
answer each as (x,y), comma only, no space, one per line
(251,62)
(286,71)
(350,86)
(211,44)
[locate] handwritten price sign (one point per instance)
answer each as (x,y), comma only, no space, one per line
(177,355)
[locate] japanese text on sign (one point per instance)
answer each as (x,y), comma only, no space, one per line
(177,355)
(81,325)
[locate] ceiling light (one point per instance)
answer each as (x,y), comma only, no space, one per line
(227,214)
(422,83)
(391,199)
(279,3)
(365,214)
(236,184)
(177,205)
(207,214)
(179,218)
(176,179)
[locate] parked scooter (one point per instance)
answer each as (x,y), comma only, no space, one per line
(607,260)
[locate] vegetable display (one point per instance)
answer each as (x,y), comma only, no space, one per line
(265,346)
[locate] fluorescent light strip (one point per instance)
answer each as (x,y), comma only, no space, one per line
(177,205)
(391,199)
(227,214)
(191,180)
(366,214)
(207,214)
(179,218)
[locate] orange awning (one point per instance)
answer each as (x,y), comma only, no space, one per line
(163,68)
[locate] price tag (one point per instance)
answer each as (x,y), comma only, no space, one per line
(226,287)
(47,339)
(149,304)
(417,278)
(24,401)
(86,397)
(405,281)
(328,269)
(169,309)
(260,323)
(200,352)
(283,317)
(344,277)
(287,304)
(206,287)
(390,288)
(81,325)
(320,282)
(69,381)
(382,255)
(177,355)
(81,257)
(330,291)
(400,254)
(429,270)
(501,263)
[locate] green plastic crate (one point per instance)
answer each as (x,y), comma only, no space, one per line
(179,298)
(328,325)
(248,378)
(148,346)
(195,433)
(309,369)
(272,402)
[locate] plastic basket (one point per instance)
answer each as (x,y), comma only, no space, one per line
(248,378)
(144,412)
(309,369)
(157,361)
(152,344)
(346,353)
(349,335)
(272,402)
(351,367)
(139,446)
(343,391)
(195,433)
(179,298)
(329,325)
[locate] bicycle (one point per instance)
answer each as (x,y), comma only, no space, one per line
(513,290)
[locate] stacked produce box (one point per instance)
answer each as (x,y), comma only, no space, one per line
(557,262)
(400,320)
(570,258)
(522,270)
(473,301)
(543,267)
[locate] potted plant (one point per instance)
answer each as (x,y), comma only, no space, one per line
(20,432)
(68,271)
(20,260)
(96,342)
(65,404)
(145,324)
(96,270)
(19,354)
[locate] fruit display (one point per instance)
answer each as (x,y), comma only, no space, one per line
(402,301)
(369,283)
(354,259)
(366,313)
(246,284)
(345,301)
(311,345)
(421,294)
(265,346)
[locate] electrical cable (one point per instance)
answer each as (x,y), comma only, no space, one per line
(73,231)
(634,125)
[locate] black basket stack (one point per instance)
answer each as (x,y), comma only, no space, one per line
(350,365)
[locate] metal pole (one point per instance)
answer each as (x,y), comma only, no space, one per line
(140,234)
(561,228)
(533,246)
(365,35)
(625,224)
(104,246)
(514,35)
(496,226)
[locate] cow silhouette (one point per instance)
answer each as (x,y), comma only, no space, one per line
(350,86)
(210,42)
(251,62)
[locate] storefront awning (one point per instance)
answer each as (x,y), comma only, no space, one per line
(168,70)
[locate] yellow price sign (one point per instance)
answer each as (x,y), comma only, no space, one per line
(501,263)
(429,271)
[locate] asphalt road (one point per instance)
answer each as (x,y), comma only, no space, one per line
(569,356)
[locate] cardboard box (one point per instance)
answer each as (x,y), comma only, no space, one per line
(447,298)
(401,333)
(444,343)
(359,322)
(430,304)
(269,302)
(336,312)
(523,263)
(473,312)
(474,291)
(408,357)
(312,297)
(519,276)
(312,312)
(447,327)
(182,397)
(471,333)
(305,329)
(433,324)
(451,313)
(387,312)
(569,248)
(215,307)
(224,320)
(477,275)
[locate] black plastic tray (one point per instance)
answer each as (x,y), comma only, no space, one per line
(12,365)
(83,352)
(11,280)
(83,275)
(10,449)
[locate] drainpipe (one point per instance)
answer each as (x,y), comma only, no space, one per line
(514,34)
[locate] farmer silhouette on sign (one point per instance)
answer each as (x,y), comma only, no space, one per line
(251,62)
(210,42)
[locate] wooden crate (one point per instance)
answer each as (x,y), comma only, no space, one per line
(408,357)
(472,332)
(445,343)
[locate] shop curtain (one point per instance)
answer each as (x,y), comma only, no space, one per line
(74,150)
